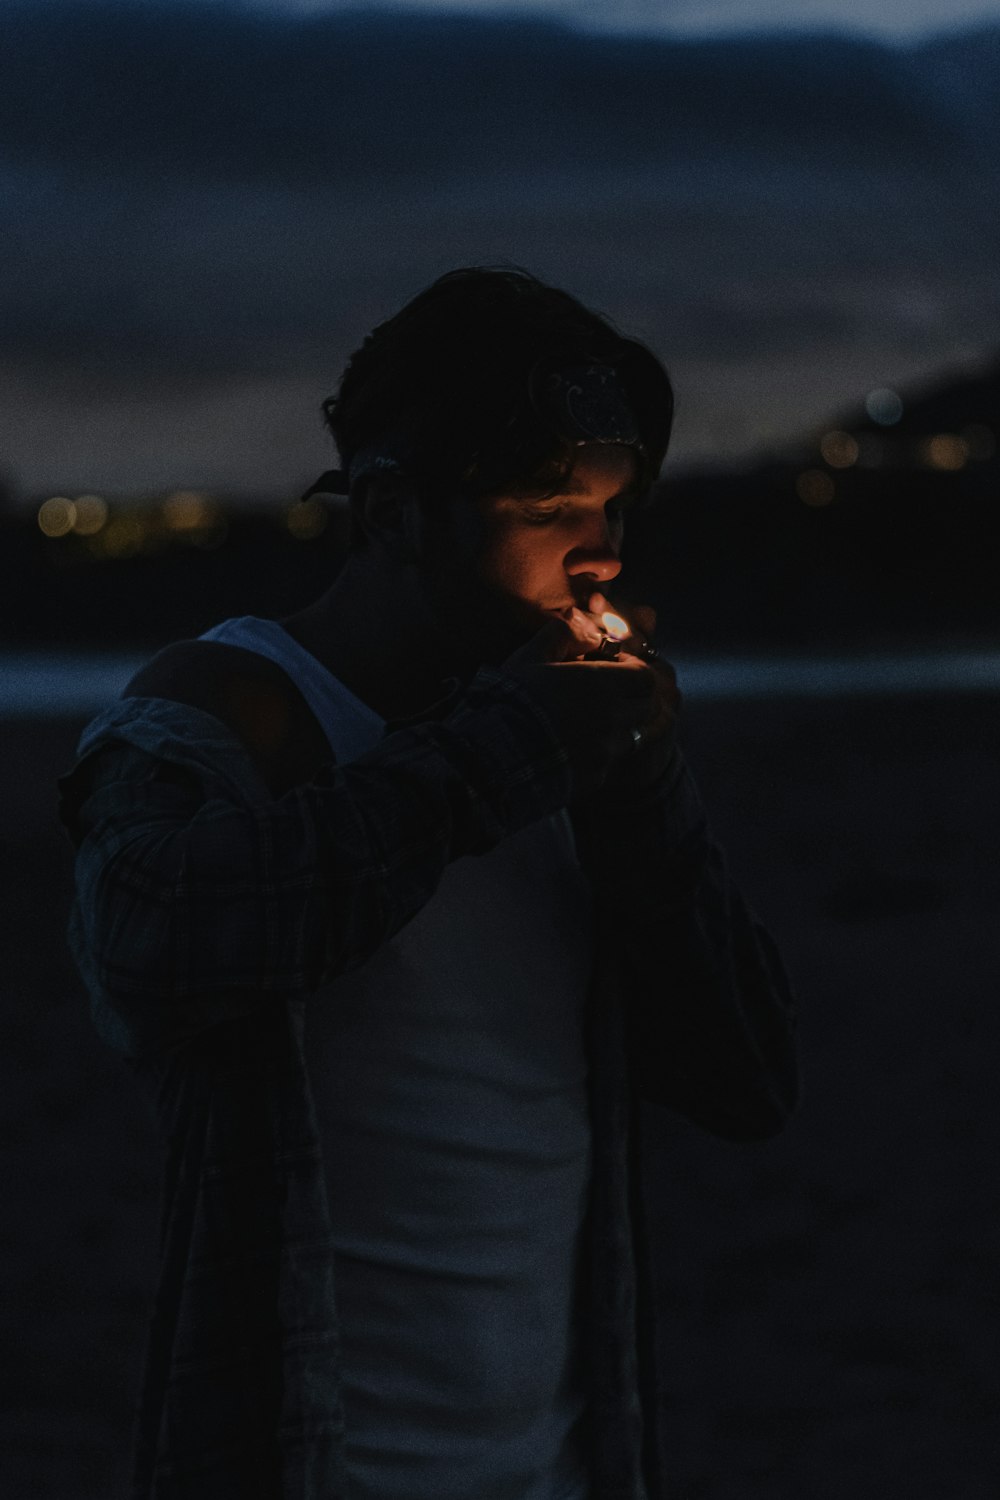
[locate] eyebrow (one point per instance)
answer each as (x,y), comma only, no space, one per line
(627,491)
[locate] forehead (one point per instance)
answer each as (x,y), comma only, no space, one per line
(600,472)
(599,464)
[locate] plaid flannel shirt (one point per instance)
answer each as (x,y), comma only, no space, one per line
(206,913)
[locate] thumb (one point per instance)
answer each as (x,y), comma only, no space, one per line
(554,642)
(644,616)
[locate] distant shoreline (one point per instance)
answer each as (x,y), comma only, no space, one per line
(47,683)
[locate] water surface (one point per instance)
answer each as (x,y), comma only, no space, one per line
(54,684)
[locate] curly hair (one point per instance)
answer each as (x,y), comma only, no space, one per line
(448,381)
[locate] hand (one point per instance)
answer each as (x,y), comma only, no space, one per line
(598,707)
(654,752)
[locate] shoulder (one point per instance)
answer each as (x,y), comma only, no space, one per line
(201,673)
(248,692)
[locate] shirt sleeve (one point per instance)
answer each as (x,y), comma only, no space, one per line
(193,905)
(711,1018)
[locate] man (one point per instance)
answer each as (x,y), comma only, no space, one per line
(400,906)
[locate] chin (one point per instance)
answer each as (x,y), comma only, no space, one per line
(495,624)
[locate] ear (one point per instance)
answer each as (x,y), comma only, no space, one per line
(387,511)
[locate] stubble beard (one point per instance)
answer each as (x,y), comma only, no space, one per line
(479,624)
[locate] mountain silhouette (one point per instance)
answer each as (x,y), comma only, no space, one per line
(197,200)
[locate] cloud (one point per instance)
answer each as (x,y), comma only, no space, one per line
(205,93)
(897,20)
(194,199)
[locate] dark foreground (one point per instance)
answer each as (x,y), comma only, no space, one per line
(829,1299)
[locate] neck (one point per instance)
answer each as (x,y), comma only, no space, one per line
(372,629)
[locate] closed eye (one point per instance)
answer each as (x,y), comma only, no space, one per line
(616,508)
(542,517)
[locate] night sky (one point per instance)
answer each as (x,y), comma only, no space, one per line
(897,19)
(205,209)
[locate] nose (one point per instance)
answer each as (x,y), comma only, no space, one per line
(598,558)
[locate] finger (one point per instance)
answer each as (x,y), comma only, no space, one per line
(668,707)
(609,695)
(643,618)
(555,642)
(623,675)
(622,663)
(632,707)
(585,629)
(665,672)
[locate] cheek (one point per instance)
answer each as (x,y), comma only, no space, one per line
(519,562)
(507,566)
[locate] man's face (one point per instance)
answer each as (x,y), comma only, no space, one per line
(506,562)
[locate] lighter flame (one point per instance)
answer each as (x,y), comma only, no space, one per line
(615,626)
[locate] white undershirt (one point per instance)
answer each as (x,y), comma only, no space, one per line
(450,1073)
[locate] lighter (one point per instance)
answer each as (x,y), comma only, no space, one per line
(615,630)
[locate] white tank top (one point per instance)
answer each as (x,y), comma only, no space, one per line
(450,1079)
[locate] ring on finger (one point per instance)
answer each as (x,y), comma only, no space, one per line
(636,738)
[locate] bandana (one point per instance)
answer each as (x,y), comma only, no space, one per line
(586,404)
(579,403)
